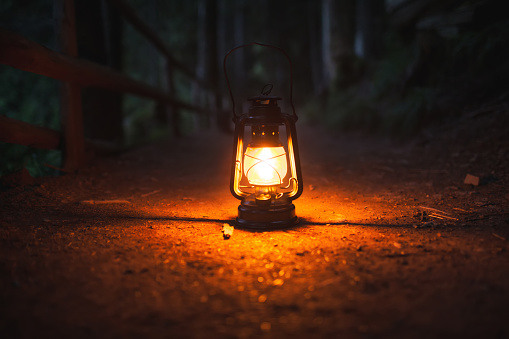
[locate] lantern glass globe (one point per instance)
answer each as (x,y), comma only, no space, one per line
(265,166)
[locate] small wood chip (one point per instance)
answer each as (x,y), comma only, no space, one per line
(227,231)
(278,282)
(265,326)
(471,180)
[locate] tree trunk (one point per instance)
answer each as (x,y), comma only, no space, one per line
(369,37)
(199,95)
(212,69)
(154,63)
(99,31)
(344,38)
(315,47)
(329,66)
(239,68)
(70,94)
(223,116)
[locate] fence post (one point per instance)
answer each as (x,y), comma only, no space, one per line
(70,94)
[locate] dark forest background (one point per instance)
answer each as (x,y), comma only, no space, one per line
(388,67)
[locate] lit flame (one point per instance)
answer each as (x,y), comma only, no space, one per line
(265,166)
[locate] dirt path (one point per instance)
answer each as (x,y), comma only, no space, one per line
(390,244)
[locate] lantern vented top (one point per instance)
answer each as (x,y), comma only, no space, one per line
(264,99)
(265,106)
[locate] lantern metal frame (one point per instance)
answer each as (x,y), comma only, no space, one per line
(264,113)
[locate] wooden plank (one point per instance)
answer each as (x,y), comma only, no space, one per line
(19,52)
(70,94)
(18,132)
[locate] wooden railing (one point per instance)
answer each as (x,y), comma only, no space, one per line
(18,52)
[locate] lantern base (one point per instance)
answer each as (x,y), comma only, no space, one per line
(272,217)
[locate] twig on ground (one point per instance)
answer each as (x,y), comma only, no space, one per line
(439,216)
(104,202)
(150,193)
(498,236)
(434,209)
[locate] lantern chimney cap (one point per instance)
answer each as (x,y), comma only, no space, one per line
(264,98)
(271,98)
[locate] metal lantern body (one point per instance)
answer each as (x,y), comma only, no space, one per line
(265,172)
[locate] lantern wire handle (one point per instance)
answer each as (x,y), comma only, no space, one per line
(267,91)
(235,116)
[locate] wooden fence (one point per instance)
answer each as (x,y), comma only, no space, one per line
(18,52)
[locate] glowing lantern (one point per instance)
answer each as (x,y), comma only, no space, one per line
(266,173)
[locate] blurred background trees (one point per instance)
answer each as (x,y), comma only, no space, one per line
(389,67)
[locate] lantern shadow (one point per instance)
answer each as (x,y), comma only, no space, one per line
(302,224)
(306,222)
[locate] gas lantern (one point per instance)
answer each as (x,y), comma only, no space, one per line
(265,169)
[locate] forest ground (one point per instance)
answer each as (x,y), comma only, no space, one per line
(391,243)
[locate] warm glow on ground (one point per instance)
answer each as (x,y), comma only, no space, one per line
(139,238)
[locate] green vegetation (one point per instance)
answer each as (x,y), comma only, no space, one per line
(31,98)
(404,91)
(25,96)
